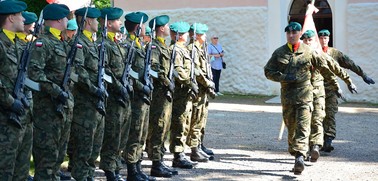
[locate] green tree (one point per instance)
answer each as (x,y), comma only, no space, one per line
(102,3)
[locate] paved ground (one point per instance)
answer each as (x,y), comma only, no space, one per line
(243,132)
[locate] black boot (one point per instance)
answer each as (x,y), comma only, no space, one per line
(210,157)
(110,176)
(315,153)
(90,179)
(170,169)
(327,147)
(158,170)
(181,161)
(132,173)
(207,151)
(198,156)
(141,173)
(118,176)
(299,164)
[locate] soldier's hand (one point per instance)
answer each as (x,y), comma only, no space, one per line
(171,87)
(194,87)
(124,93)
(18,108)
(102,93)
(290,77)
(62,97)
(368,80)
(147,90)
(339,94)
(211,85)
(352,88)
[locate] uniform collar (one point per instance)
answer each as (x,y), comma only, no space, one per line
(133,37)
(111,36)
(10,34)
(22,36)
(88,34)
(55,32)
(161,40)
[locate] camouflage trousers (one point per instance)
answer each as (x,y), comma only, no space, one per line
(331,109)
(138,130)
(115,117)
(159,122)
(297,118)
(181,117)
(316,135)
(205,115)
(198,119)
(15,150)
(87,132)
(125,131)
(50,138)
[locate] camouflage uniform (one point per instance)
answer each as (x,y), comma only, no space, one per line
(331,108)
(88,124)
(115,112)
(161,108)
(51,128)
(15,143)
(199,104)
(296,91)
(182,102)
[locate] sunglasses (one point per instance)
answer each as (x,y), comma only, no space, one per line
(215,38)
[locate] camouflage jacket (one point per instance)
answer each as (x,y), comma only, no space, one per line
(200,64)
(299,64)
(161,62)
(182,64)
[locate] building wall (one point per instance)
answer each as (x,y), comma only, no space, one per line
(251,30)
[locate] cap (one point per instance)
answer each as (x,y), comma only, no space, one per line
(55,11)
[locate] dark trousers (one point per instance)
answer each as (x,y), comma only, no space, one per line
(216,78)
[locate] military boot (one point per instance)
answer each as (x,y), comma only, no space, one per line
(142,174)
(210,157)
(170,169)
(196,155)
(327,146)
(118,176)
(206,150)
(110,176)
(299,164)
(132,173)
(314,153)
(180,161)
(90,179)
(158,170)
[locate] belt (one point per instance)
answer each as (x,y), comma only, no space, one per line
(296,84)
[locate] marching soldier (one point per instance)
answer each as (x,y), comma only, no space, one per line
(54,109)
(133,152)
(88,124)
(329,122)
(182,97)
(161,105)
(16,135)
(118,95)
(291,65)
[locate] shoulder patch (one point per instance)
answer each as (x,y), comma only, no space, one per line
(153,47)
(79,45)
(38,44)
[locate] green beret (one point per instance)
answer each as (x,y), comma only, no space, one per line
(324,32)
(135,17)
(308,34)
(92,12)
(160,20)
(11,7)
(72,25)
(55,11)
(180,27)
(200,28)
(30,17)
(113,13)
(293,26)
(148,30)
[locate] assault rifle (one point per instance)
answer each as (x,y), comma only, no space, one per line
(69,61)
(100,107)
(147,68)
(127,71)
(194,86)
(21,81)
(209,74)
(171,69)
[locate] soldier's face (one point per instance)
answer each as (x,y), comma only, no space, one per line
(324,40)
(93,24)
(184,37)
(166,30)
(292,37)
(29,28)
(309,41)
(18,22)
(114,25)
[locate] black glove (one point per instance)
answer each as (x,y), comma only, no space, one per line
(147,90)
(125,93)
(290,77)
(18,108)
(171,87)
(194,87)
(368,80)
(102,93)
(62,97)
(352,88)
